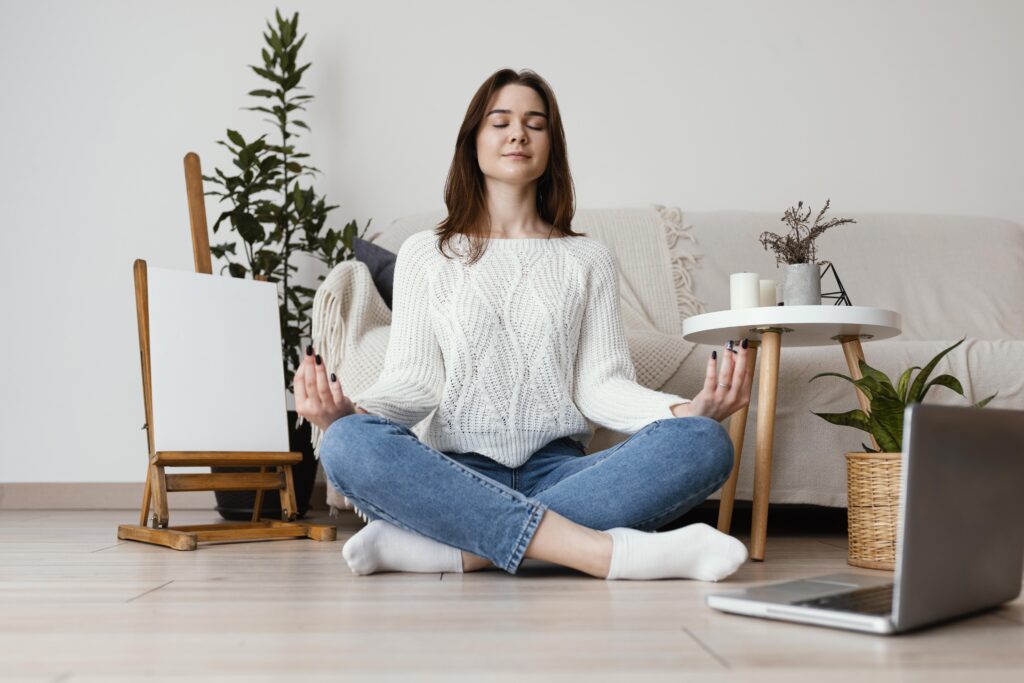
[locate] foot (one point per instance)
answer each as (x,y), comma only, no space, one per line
(696,551)
(383,547)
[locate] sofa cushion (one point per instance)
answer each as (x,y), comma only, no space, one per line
(381,264)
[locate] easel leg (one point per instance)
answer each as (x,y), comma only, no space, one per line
(854,352)
(160,515)
(766,393)
(257,505)
(289,509)
(737,429)
(144,514)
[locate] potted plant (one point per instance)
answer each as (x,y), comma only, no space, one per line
(802,277)
(277,219)
(873,476)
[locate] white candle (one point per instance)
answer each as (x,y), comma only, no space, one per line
(768,294)
(743,290)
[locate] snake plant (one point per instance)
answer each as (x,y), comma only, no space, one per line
(888,401)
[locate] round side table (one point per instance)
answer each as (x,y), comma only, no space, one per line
(766,327)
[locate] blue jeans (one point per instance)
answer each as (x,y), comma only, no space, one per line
(473,503)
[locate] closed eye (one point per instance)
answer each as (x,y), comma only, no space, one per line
(505,125)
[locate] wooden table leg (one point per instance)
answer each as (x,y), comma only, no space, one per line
(737,429)
(766,393)
(854,352)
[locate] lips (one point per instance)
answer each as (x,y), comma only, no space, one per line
(517,154)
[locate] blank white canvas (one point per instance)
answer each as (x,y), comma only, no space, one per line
(217,373)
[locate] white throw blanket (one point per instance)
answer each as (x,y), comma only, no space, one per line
(655,258)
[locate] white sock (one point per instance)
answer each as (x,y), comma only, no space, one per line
(696,551)
(381,547)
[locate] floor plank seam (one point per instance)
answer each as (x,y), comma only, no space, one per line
(149,591)
(714,655)
(107,547)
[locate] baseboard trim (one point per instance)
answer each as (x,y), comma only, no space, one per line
(111,496)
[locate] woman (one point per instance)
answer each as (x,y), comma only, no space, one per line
(516,339)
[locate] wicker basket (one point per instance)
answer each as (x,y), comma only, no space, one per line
(873,498)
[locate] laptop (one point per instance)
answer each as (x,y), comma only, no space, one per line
(960,536)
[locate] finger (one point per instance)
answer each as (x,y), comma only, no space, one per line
(299,385)
(711,376)
(322,383)
(748,375)
(336,392)
(726,372)
(312,395)
(739,372)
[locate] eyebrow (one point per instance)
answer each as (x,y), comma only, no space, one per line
(509,111)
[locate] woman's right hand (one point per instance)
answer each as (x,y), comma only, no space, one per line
(318,398)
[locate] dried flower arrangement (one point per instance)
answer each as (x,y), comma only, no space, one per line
(798,245)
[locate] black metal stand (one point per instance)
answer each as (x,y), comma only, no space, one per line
(841,297)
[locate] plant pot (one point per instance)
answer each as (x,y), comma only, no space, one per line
(802,286)
(873,502)
(237,505)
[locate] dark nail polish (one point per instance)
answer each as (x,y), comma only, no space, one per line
(334,378)
(309,349)
(744,343)
(714,355)
(318,359)
(730,344)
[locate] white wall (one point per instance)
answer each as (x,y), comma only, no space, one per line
(880,105)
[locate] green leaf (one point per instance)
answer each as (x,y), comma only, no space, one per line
(286,32)
(269,75)
(247,226)
(854,418)
(262,93)
(237,270)
(904,382)
(886,421)
(868,449)
(236,138)
(883,381)
(300,199)
(916,389)
(984,402)
(947,381)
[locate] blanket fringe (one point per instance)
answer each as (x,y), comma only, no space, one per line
(328,330)
(683,259)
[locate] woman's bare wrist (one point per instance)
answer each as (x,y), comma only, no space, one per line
(682,409)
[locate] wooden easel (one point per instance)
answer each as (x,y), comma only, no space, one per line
(159,483)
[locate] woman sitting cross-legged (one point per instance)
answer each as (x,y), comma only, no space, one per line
(506,326)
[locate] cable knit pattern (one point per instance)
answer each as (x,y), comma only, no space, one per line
(506,355)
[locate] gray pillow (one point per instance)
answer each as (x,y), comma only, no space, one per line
(381,264)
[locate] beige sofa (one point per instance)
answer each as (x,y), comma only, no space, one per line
(948,276)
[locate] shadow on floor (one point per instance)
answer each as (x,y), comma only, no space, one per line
(782,518)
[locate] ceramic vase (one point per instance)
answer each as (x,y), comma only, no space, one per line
(802,286)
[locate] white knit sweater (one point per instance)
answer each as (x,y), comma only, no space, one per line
(521,348)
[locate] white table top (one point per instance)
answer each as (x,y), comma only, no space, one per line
(801,325)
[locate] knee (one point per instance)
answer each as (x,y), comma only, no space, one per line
(709,447)
(345,447)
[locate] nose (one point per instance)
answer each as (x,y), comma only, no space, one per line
(517,134)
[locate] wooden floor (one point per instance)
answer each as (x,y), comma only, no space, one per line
(79,605)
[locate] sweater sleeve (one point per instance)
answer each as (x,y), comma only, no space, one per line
(411,381)
(605,386)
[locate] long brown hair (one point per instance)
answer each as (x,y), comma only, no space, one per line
(464,191)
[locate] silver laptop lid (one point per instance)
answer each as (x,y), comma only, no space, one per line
(960,528)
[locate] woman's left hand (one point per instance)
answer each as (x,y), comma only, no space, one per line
(723,393)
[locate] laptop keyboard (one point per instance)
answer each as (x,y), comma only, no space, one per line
(873,600)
